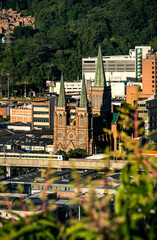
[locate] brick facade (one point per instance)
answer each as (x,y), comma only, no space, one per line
(21,115)
(71,134)
(79,123)
(3,112)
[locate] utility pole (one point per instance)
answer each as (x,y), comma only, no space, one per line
(21,92)
(25,90)
(8,84)
(79,212)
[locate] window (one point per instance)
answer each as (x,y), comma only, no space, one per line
(153,81)
(93,101)
(71,135)
(59,135)
(152,76)
(100,101)
(81,136)
(152,86)
(81,121)
(152,72)
(89,61)
(152,67)
(97,103)
(60,122)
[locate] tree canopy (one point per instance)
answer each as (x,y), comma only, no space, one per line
(66,31)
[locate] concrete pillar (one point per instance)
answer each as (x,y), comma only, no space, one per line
(8,171)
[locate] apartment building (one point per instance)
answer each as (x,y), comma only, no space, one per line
(149,74)
(140,53)
(42,114)
(147,110)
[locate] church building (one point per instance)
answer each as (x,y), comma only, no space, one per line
(79,122)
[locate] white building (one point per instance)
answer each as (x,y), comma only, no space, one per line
(118,68)
(70,87)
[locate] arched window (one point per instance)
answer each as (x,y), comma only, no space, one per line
(100,101)
(60,122)
(96,100)
(81,121)
(93,101)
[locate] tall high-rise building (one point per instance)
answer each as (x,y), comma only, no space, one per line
(149,74)
(140,53)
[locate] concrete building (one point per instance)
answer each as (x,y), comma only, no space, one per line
(70,87)
(140,54)
(149,78)
(42,114)
(147,110)
(19,126)
(21,114)
(149,74)
(118,88)
(118,68)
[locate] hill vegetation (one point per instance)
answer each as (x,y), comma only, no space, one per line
(67,30)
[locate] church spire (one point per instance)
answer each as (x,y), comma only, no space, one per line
(61,99)
(100,80)
(83,100)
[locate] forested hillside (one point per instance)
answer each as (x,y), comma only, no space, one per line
(67,30)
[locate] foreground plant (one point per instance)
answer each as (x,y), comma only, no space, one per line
(130,214)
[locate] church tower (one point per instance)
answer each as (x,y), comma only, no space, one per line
(100,93)
(100,99)
(60,119)
(73,122)
(84,121)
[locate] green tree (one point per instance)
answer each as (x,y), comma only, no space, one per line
(77,153)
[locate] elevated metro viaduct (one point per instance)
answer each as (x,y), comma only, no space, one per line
(78,163)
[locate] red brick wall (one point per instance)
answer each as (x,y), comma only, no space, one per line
(3,112)
(21,115)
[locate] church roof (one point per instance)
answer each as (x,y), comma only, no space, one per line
(61,99)
(83,100)
(100,79)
